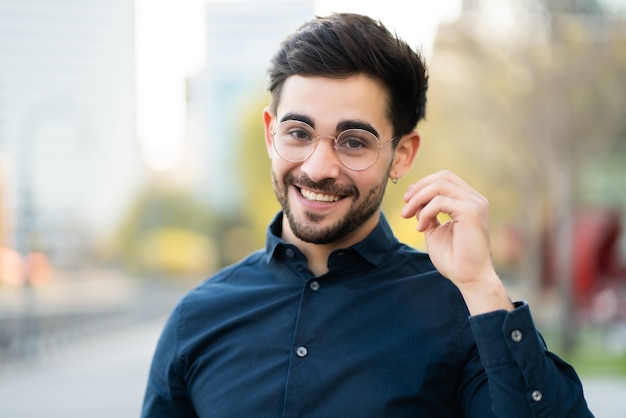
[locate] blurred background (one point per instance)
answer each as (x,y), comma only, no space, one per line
(132,166)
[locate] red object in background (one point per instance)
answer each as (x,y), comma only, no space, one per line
(34,269)
(11,267)
(596,258)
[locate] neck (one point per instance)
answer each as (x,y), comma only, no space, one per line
(317,257)
(317,254)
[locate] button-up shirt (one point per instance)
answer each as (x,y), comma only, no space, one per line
(381,334)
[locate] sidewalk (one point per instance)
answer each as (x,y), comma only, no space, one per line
(103,377)
(88,341)
(606,396)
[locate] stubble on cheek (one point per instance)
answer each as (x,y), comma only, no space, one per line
(281,192)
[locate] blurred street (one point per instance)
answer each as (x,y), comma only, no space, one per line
(100,378)
(102,371)
(80,347)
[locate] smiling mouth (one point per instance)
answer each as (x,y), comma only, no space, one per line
(319,197)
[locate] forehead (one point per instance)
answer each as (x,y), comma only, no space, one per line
(330,101)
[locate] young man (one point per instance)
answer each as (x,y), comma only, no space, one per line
(335,317)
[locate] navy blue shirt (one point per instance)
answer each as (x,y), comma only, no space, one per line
(382,334)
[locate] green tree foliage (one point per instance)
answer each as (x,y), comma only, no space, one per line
(518,118)
(521,114)
(169,232)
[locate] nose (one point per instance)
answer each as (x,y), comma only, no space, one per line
(324,162)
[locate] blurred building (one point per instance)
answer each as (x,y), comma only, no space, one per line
(67,122)
(242,36)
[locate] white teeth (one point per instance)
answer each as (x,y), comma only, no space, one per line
(309,195)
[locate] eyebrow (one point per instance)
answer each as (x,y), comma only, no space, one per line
(299,118)
(341,126)
(353,124)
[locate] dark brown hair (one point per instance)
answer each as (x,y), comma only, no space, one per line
(345,44)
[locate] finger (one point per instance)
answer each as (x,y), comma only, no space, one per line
(428,216)
(422,195)
(444,176)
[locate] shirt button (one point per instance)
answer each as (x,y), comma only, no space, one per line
(302,351)
(516,335)
(536,395)
(314,285)
(289,253)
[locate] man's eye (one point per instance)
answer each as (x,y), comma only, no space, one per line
(353,143)
(300,134)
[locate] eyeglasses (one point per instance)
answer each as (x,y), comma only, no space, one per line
(357,149)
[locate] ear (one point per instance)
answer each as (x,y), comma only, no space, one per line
(405,154)
(268,123)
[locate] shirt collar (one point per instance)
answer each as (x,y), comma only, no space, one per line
(374,248)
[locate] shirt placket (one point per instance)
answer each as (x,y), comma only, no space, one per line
(302,351)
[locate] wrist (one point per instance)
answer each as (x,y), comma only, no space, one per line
(486,295)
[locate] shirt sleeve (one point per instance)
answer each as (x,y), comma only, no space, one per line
(166,394)
(524,378)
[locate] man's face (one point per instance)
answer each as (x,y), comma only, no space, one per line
(323,201)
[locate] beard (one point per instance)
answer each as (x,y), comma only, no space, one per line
(310,231)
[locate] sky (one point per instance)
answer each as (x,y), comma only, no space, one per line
(170,48)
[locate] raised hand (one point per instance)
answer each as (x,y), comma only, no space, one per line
(460,248)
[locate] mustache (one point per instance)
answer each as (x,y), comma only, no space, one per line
(326,186)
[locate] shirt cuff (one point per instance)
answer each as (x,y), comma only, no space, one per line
(504,338)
